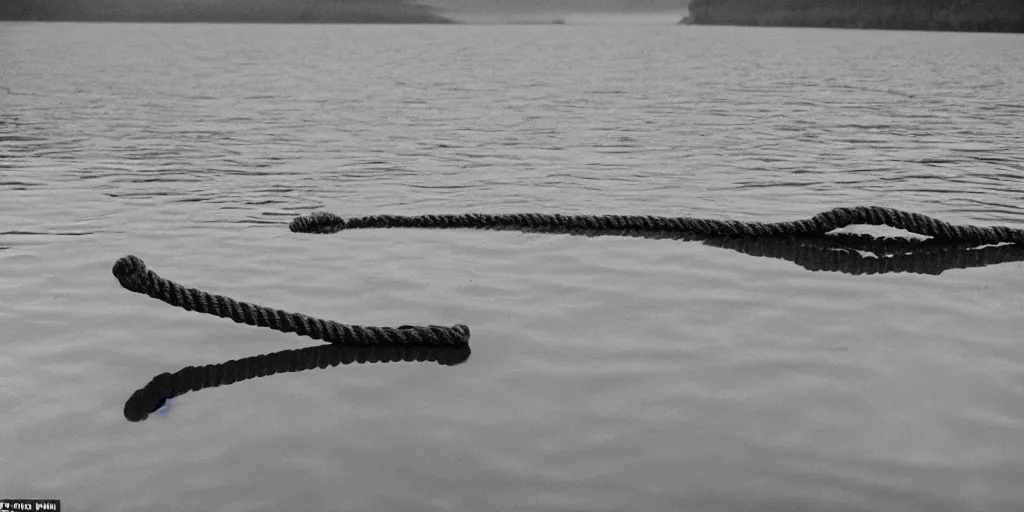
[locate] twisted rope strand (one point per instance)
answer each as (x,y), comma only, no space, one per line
(166,386)
(820,224)
(133,275)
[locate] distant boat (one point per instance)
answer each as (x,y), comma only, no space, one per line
(558,21)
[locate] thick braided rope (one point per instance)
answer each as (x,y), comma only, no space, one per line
(820,224)
(132,273)
(166,386)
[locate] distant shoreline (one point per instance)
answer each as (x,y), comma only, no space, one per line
(223,11)
(1006,16)
(232,22)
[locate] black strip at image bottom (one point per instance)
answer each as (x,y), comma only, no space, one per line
(29,504)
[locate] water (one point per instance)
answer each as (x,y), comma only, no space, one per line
(607,373)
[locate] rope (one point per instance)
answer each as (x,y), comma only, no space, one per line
(133,275)
(166,386)
(820,224)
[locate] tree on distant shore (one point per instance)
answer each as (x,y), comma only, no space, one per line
(976,15)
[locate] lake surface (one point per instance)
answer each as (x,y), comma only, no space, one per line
(607,373)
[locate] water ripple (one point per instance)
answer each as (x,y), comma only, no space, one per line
(610,373)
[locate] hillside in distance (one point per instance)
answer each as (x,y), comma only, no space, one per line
(225,11)
(958,15)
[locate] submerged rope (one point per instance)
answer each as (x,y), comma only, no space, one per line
(166,386)
(840,252)
(820,224)
(133,275)
(918,258)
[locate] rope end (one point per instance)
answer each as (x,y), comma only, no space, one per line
(147,400)
(127,266)
(455,356)
(317,222)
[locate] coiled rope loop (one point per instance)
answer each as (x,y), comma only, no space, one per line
(133,275)
(820,224)
(166,386)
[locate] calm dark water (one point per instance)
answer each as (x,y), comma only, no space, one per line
(607,373)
